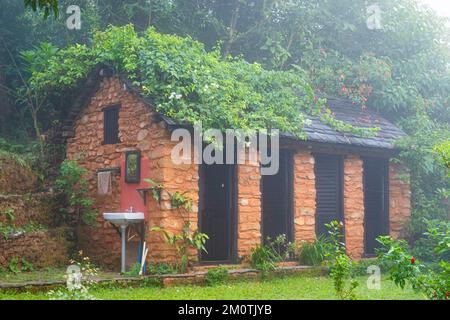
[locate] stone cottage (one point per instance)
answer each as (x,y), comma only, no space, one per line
(326,177)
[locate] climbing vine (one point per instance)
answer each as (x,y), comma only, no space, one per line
(188,83)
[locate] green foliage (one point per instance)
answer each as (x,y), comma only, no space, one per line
(443,150)
(188,83)
(183,243)
(78,290)
(313,254)
(47,6)
(73,187)
(13,266)
(340,264)
(216,276)
(359,268)
(405,269)
(9,214)
(17,266)
(264,257)
(27,266)
(6,230)
(161,269)
(134,271)
(180,200)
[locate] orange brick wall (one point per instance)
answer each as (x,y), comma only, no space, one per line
(354,206)
(249,208)
(399,200)
(304,197)
(137,130)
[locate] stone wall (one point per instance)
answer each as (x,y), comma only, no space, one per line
(137,131)
(27,209)
(16,178)
(399,200)
(249,208)
(42,249)
(304,197)
(354,206)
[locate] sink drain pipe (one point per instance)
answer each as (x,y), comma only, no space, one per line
(123,230)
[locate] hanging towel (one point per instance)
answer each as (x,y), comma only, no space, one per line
(104,183)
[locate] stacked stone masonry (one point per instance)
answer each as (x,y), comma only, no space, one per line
(354,206)
(139,130)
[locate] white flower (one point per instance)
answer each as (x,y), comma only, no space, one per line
(308,122)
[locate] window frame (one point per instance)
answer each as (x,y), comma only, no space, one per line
(105,110)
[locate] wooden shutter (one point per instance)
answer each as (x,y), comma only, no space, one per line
(328,171)
(111,125)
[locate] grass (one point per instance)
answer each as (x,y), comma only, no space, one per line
(287,288)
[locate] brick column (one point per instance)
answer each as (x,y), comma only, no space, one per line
(304,197)
(399,200)
(354,206)
(249,208)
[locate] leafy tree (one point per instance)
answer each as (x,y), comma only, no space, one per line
(47,6)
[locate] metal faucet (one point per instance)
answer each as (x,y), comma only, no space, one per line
(130,209)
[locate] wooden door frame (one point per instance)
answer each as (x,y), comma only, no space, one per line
(290,204)
(233,185)
(386,202)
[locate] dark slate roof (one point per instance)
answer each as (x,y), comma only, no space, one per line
(346,111)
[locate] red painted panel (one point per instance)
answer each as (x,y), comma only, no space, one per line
(129,197)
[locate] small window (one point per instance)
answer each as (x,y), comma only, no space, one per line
(111,125)
(133,167)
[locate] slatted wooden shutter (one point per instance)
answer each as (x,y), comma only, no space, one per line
(111,125)
(328,171)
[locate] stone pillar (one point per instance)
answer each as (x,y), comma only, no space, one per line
(399,200)
(354,206)
(304,197)
(249,208)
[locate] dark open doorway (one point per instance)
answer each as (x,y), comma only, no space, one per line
(329,194)
(277,200)
(376,216)
(218,211)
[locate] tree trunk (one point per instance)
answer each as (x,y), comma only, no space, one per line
(232,31)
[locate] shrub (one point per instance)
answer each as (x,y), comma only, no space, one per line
(161,268)
(360,267)
(264,257)
(340,264)
(313,254)
(183,242)
(73,189)
(216,276)
(134,271)
(405,269)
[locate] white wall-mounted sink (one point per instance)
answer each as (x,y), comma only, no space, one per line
(124,218)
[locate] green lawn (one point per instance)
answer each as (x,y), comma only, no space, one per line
(288,288)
